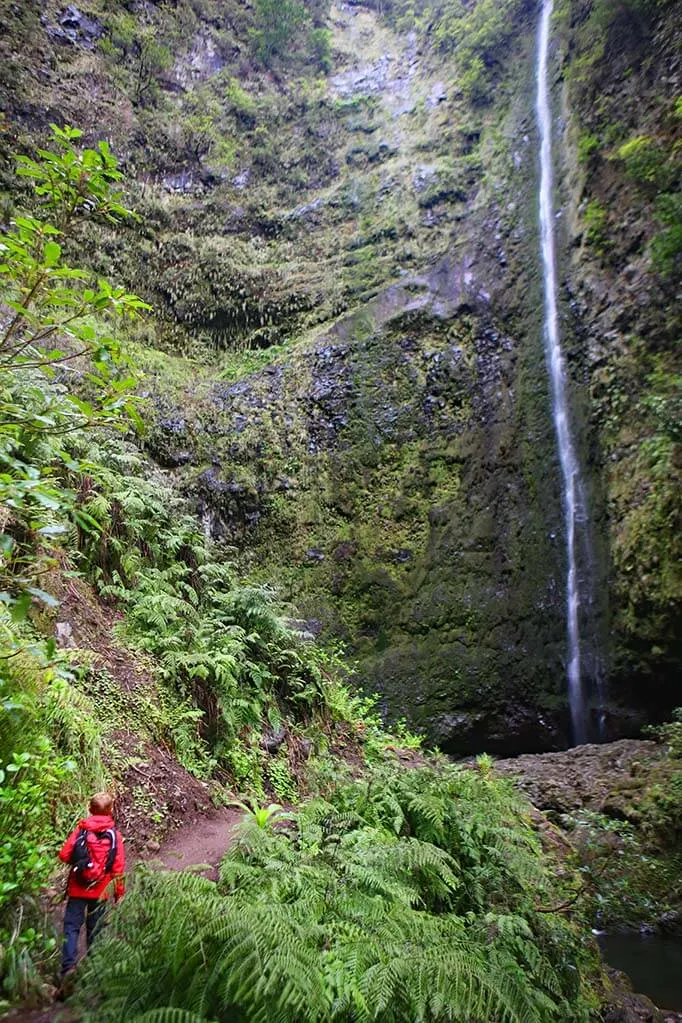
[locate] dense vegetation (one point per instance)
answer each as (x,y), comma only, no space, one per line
(79,504)
(409,895)
(630,856)
(393,470)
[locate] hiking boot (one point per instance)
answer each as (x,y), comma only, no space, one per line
(67,985)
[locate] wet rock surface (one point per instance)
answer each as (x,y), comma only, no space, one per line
(624,1005)
(402,420)
(606,778)
(73,26)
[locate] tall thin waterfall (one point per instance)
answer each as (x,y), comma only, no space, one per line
(573,498)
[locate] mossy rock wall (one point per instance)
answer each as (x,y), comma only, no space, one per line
(345,368)
(620,77)
(387,475)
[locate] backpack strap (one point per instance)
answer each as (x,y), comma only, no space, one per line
(80,854)
(109,833)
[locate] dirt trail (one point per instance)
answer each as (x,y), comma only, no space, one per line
(204,842)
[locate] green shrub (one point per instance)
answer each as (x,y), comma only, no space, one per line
(59,316)
(278,23)
(666,245)
(644,160)
(141,51)
(626,882)
(321,48)
(595,219)
(588,147)
(662,810)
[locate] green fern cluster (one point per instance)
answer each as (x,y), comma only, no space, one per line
(222,646)
(409,896)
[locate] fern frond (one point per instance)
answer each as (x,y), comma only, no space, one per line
(167,1014)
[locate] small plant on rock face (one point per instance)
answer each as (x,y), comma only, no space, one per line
(588,147)
(666,245)
(143,53)
(596,221)
(278,22)
(643,159)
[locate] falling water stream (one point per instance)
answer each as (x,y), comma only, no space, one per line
(573,498)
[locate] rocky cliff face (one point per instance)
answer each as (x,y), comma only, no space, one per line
(620,174)
(345,272)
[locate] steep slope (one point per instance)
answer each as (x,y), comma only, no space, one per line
(358,220)
(401,454)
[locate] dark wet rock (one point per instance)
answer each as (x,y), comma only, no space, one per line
(423,176)
(174,459)
(241,181)
(305,747)
(203,60)
(182,182)
(308,212)
(345,551)
(228,507)
(508,727)
(309,628)
(624,1005)
(670,923)
(438,94)
(75,27)
(273,740)
(210,178)
(370,153)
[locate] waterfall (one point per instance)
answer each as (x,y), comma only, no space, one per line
(574,505)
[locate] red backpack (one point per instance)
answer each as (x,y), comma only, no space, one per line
(87,862)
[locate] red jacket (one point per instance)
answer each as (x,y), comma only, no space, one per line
(99,851)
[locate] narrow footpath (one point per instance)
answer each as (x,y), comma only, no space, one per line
(204,842)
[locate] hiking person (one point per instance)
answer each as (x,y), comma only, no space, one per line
(94,851)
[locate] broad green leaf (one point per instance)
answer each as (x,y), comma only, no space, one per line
(20,607)
(87,523)
(46,500)
(51,254)
(53,530)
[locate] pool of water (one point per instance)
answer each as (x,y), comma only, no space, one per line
(653,964)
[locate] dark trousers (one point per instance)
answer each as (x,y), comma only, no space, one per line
(77,913)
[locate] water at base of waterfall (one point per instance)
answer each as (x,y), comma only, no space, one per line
(573,493)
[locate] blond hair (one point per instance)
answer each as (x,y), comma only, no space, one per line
(101,804)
